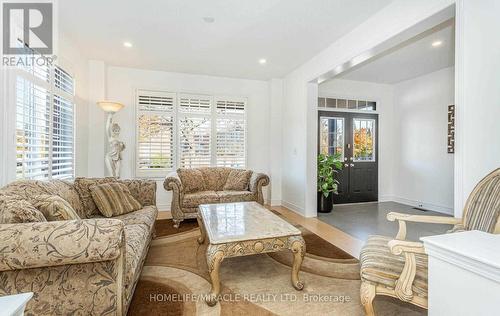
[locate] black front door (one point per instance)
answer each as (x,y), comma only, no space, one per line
(354,137)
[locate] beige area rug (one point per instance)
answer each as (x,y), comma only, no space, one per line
(175,280)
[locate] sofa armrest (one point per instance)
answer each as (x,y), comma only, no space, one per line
(173,182)
(143,190)
(45,244)
(257,181)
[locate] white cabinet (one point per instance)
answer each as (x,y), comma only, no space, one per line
(464,274)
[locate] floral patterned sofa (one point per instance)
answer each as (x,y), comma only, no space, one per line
(75,267)
(192,187)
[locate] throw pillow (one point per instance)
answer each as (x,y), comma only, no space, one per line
(113,199)
(238,180)
(14,211)
(55,208)
(82,186)
(192,179)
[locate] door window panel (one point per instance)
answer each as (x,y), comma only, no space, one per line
(332,136)
(364,139)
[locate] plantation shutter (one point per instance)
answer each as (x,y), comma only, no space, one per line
(32,130)
(231,134)
(195,132)
(155,129)
(63,126)
(44,122)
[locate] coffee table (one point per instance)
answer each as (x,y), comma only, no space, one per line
(242,229)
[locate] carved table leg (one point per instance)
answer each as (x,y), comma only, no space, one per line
(214,259)
(202,237)
(298,248)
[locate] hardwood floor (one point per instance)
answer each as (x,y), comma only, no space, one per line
(329,233)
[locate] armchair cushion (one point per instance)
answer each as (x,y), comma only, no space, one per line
(192,179)
(114,199)
(192,200)
(55,208)
(380,266)
(238,180)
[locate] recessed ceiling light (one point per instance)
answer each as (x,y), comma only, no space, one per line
(437,43)
(209,19)
(127,44)
(262,61)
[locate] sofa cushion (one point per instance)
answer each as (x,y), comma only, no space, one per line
(380,266)
(55,208)
(82,186)
(15,210)
(114,199)
(192,179)
(145,216)
(238,180)
(214,178)
(192,200)
(137,238)
(235,196)
(67,191)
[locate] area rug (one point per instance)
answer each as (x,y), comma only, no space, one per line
(175,279)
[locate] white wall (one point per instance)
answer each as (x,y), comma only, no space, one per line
(423,170)
(383,94)
(382,27)
(121,84)
(478,94)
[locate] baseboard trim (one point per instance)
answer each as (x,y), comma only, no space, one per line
(276,203)
(292,207)
(428,206)
(163,207)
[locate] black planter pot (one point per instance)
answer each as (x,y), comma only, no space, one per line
(325,204)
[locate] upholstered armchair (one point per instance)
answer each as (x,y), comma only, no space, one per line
(192,187)
(398,268)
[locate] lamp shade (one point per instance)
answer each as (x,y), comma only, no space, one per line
(110,107)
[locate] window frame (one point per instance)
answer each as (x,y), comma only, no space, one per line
(212,116)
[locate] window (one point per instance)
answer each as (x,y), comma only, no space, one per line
(44,123)
(230,133)
(188,131)
(347,104)
(155,138)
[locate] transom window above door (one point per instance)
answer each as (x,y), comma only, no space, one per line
(346,104)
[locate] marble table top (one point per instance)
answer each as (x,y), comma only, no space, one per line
(233,222)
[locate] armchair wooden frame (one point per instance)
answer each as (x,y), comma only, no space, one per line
(403,289)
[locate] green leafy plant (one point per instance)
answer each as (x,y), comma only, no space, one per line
(327,167)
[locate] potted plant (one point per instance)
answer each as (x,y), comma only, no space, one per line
(327,185)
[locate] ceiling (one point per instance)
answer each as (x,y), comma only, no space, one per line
(411,59)
(171,35)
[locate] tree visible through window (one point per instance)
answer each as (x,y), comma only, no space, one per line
(189,131)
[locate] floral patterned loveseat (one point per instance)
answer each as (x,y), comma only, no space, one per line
(192,187)
(76,267)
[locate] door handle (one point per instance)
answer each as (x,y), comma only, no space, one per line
(352,165)
(346,165)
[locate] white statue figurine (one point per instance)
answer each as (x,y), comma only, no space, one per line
(114,155)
